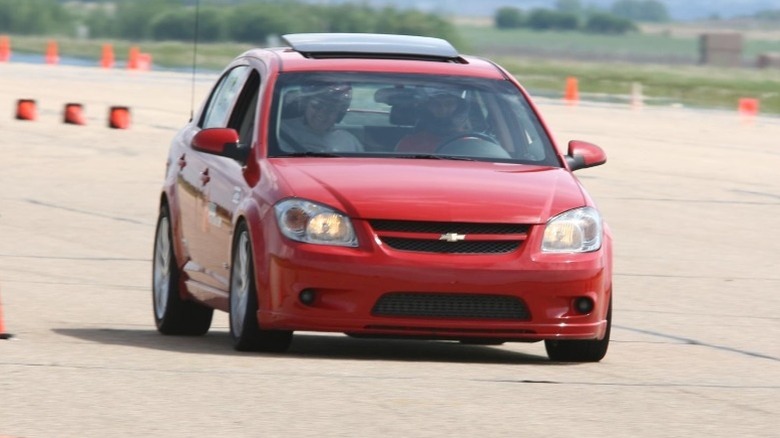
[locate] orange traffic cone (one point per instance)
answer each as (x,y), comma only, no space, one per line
(119,117)
(73,114)
(572,94)
(107,60)
(52,57)
(25,109)
(5,49)
(144,61)
(748,107)
(3,334)
(748,110)
(132,58)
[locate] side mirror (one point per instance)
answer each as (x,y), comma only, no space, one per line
(219,141)
(583,154)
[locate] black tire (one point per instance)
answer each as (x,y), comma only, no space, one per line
(172,314)
(580,351)
(244,328)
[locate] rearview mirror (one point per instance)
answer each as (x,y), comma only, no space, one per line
(583,154)
(219,141)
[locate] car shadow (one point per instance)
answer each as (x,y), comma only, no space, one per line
(314,346)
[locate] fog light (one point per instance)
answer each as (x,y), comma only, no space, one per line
(583,305)
(307,296)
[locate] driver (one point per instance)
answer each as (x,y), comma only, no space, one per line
(323,105)
(443,115)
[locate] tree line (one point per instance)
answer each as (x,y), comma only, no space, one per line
(571,15)
(249,21)
(253,21)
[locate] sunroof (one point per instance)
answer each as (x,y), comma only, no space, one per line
(366,44)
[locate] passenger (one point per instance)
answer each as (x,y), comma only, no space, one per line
(313,131)
(443,116)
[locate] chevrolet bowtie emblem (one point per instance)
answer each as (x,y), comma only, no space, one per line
(452,237)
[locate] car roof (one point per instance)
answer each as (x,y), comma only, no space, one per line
(330,44)
(377,53)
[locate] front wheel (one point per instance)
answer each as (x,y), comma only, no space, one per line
(580,351)
(172,314)
(244,328)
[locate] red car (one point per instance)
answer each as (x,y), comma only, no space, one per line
(379,186)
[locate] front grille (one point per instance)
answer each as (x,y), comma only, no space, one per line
(450,237)
(462,247)
(451,305)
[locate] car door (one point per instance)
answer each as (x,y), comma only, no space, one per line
(227,186)
(195,182)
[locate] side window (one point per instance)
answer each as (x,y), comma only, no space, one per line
(223,97)
(244,116)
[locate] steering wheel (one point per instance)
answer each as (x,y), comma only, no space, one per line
(462,136)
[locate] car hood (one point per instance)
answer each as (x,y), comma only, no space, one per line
(431,190)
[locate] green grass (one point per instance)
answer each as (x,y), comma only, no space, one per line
(690,85)
(655,45)
(167,54)
(694,86)
(487,40)
(535,59)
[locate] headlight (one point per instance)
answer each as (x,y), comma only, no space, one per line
(308,222)
(576,230)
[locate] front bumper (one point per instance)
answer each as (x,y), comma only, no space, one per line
(346,284)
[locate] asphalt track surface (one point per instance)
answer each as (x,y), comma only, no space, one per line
(693,199)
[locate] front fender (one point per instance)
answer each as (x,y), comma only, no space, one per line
(261,223)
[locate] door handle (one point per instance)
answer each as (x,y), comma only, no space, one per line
(204,177)
(182,161)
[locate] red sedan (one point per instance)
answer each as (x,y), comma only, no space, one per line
(379,185)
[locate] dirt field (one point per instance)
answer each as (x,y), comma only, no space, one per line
(693,199)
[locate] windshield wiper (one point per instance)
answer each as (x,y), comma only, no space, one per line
(434,157)
(310,154)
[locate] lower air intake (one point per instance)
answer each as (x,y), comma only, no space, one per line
(447,305)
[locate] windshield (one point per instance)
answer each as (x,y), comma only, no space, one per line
(405,116)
